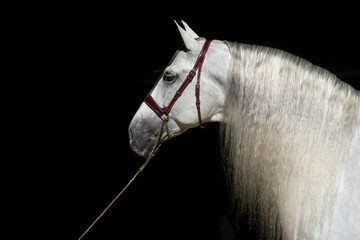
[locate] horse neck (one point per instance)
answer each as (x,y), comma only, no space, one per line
(289,125)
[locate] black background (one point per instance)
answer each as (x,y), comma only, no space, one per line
(100,61)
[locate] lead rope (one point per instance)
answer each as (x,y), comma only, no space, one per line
(158,142)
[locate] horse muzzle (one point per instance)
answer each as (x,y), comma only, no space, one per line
(142,136)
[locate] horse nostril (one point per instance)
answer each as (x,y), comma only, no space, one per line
(131,135)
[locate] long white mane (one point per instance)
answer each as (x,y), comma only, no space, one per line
(287,132)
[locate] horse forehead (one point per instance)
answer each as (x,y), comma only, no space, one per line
(182,60)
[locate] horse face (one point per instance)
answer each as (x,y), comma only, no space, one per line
(145,125)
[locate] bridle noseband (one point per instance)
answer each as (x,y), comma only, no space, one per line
(163,112)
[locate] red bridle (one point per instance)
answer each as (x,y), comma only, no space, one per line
(161,111)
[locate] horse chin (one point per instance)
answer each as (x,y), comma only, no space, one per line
(142,148)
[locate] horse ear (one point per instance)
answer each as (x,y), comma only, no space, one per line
(188,39)
(189,30)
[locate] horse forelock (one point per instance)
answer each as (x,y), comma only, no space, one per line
(288,128)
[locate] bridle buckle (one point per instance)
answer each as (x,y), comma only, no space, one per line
(165,117)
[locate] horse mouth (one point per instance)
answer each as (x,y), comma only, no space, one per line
(143,148)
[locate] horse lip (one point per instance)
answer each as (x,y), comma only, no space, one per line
(143,152)
(135,149)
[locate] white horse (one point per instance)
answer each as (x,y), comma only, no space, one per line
(290,133)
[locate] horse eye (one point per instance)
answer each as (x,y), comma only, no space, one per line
(169,77)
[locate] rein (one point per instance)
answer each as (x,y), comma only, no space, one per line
(153,153)
(163,114)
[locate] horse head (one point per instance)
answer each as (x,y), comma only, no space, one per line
(183,113)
